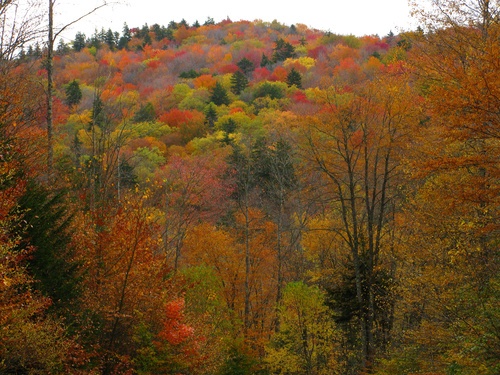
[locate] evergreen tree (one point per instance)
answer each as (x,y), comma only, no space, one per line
(172,25)
(264,61)
(110,39)
(125,38)
(47,230)
(22,54)
(159,31)
(147,40)
(211,114)
(219,95)
(269,89)
(146,113)
(73,94)
(189,74)
(37,53)
(62,48)
(96,40)
(246,66)
(209,21)
(79,42)
(143,31)
(239,82)
(294,79)
(229,127)
(196,24)
(30,52)
(282,51)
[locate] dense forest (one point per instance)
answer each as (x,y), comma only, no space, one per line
(249,197)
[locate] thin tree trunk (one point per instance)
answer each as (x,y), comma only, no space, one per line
(50,89)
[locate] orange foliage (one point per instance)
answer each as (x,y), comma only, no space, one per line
(279,74)
(183,33)
(205,81)
(341,52)
(177,117)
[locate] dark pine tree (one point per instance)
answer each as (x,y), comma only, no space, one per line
(45,226)
(211,114)
(79,42)
(219,95)
(73,93)
(246,66)
(146,113)
(282,51)
(239,82)
(264,61)
(294,79)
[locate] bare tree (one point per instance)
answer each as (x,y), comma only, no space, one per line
(19,25)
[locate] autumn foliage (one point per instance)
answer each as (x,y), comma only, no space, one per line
(254,198)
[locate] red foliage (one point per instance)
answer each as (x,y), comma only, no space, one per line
(316,52)
(61,112)
(261,74)
(144,92)
(228,68)
(174,331)
(153,64)
(300,97)
(176,117)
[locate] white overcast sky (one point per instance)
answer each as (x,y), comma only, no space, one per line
(358,17)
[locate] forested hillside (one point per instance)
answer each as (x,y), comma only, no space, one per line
(252,198)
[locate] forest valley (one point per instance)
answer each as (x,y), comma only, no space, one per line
(252,198)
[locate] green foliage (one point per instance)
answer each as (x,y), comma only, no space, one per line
(210,114)
(73,93)
(294,79)
(282,51)
(246,66)
(264,61)
(239,82)
(307,340)
(79,42)
(149,129)
(146,160)
(272,90)
(189,74)
(219,95)
(47,230)
(125,38)
(146,113)
(228,127)
(239,363)
(352,41)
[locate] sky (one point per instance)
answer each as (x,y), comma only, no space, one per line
(360,17)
